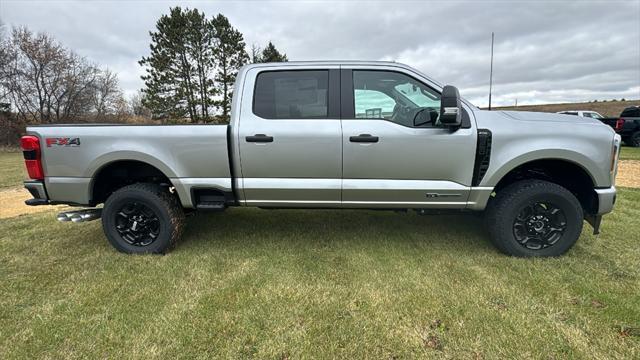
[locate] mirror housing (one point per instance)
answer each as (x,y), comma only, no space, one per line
(450,107)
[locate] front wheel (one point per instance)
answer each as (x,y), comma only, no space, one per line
(534,218)
(142,218)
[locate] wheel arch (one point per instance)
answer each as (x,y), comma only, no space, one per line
(567,173)
(115,174)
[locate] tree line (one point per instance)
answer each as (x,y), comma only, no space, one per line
(193,64)
(44,82)
(189,75)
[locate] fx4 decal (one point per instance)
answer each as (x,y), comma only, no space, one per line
(63,141)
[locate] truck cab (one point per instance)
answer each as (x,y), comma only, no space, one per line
(348,136)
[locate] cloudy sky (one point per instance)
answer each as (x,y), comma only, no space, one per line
(545,51)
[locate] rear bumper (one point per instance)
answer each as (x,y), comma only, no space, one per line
(37,190)
(606,200)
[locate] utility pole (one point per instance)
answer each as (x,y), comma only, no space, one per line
(491,72)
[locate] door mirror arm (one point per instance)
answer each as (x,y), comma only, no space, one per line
(425,116)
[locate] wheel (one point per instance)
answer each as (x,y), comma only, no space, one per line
(142,218)
(534,218)
(634,140)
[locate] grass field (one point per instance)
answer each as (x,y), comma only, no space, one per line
(316,284)
(629,153)
(12,170)
(309,284)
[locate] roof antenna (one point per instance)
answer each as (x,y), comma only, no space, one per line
(491,72)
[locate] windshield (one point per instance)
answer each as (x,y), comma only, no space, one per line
(419,96)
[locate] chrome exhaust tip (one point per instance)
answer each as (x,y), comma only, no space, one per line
(80,215)
(63,217)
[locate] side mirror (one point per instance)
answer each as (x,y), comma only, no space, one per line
(450,108)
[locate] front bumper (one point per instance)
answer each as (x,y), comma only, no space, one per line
(37,190)
(606,200)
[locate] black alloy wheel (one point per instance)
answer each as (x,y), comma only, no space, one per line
(539,225)
(137,224)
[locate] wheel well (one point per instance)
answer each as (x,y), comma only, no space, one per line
(122,173)
(564,173)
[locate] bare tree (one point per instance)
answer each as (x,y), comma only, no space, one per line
(107,97)
(48,83)
(136,105)
(255,53)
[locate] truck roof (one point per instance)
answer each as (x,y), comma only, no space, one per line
(332,62)
(372,63)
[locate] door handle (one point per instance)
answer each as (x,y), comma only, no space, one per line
(259,138)
(364,138)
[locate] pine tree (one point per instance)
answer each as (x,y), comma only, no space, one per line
(271,54)
(177,82)
(201,47)
(229,56)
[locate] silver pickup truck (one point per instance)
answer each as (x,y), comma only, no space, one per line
(366,135)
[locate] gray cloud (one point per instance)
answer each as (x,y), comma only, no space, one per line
(545,51)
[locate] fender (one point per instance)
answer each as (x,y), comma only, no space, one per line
(502,165)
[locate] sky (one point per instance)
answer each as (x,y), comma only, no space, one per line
(544,52)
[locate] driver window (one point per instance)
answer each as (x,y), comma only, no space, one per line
(395,97)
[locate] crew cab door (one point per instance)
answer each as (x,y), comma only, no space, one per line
(390,162)
(290,138)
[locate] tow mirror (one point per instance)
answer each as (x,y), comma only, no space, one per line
(450,108)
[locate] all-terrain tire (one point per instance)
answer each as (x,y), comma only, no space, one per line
(634,141)
(505,213)
(157,204)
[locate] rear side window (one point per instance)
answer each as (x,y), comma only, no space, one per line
(631,112)
(300,94)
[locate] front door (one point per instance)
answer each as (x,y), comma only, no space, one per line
(290,139)
(391,156)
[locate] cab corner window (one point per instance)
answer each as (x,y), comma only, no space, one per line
(395,97)
(299,94)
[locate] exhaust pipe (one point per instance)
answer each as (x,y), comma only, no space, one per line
(79,215)
(63,217)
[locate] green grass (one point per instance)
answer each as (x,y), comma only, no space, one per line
(318,284)
(629,153)
(12,170)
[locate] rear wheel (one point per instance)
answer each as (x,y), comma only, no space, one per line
(635,139)
(534,218)
(142,218)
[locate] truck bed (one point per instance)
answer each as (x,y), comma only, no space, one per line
(189,155)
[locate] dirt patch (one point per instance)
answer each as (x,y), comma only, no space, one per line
(12,201)
(628,173)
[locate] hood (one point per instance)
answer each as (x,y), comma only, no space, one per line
(540,116)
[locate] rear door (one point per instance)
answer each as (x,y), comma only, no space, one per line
(290,138)
(388,160)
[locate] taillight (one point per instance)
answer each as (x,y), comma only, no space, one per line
(31,151)
(619,124)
